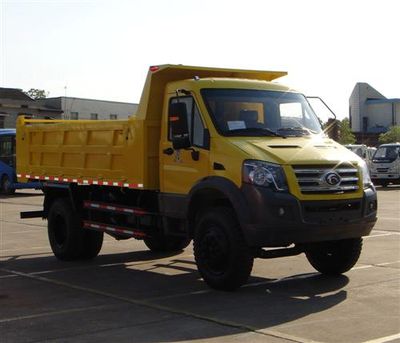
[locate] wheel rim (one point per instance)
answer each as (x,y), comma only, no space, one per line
(214,250)
(60,231)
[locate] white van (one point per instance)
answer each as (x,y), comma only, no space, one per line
(385,167)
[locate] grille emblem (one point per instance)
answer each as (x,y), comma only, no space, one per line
(332,178)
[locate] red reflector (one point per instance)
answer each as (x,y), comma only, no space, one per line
(154,68)
(173,118)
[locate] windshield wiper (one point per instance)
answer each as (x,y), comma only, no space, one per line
(257,130)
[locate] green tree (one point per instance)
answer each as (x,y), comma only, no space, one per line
(37,93)
(345,134)
(391,136)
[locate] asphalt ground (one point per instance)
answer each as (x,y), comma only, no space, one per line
(128,294)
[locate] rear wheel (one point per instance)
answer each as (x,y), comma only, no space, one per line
(92,243)
(163,243)
(6,186)
(223,258)
(64,230)
(334,257)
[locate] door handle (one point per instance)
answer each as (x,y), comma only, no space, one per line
(168,151)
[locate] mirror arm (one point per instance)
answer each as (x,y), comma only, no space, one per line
(195,153)
(317,97)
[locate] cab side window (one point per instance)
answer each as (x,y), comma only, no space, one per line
(196,126)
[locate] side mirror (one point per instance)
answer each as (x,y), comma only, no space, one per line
(177,117)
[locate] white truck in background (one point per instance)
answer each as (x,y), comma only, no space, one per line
(385,166)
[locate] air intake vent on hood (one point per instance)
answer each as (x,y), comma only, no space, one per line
(284,146)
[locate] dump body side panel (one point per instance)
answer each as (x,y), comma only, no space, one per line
(87,152)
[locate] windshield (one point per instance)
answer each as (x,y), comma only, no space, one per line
(387,152)
(239,112)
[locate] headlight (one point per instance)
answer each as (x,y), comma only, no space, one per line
(264,174)
(365,175)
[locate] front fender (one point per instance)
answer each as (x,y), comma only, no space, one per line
(218,188)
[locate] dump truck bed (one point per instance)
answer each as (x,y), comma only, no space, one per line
(110,153)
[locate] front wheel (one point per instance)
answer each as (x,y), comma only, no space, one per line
(6,186)
(222,256)
(334,257)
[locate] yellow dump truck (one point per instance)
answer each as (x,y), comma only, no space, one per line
(228,158)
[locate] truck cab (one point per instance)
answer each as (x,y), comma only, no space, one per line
(261,144)
(385,166)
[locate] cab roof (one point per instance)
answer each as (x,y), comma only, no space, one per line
(224,82)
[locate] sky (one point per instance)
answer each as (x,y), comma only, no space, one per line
(102,49)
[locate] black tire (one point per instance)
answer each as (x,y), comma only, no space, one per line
(92,243)
(334,257)
(6,186)
(222,256)
(65,231)
(162,243)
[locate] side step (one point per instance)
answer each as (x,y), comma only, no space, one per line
(120,230)
(106,207)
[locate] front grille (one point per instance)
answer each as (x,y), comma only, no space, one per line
(382,170)
(315,179)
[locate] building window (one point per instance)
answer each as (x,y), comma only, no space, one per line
(94,116)
(113,116)
(74,115)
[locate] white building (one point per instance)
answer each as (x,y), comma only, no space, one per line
(370,111)
(78,108)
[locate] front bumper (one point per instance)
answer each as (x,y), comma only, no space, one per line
(280,219)
(391,177)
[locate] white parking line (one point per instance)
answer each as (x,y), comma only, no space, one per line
(383,234)
(52,313)
(8,276)
(375,265)
(25,248)
(384,339)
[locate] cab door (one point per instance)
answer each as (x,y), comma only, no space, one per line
(180,169)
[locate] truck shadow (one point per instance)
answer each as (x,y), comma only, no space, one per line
(159,286)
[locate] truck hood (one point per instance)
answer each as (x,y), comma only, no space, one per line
(295,150)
